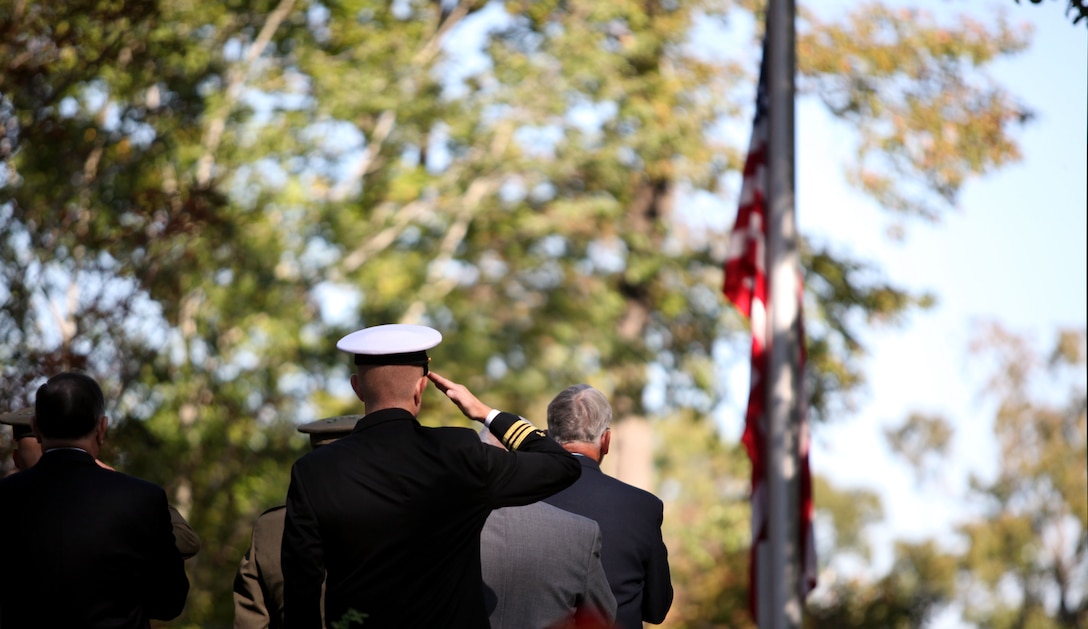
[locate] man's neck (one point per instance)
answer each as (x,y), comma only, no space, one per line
(584,449)
(369,409)
(86,445)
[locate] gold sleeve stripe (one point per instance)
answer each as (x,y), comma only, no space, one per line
(517,433)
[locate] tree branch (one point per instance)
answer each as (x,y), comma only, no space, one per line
(235,80)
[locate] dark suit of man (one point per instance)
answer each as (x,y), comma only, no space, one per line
(95,548)
(392,514)
(632,550)
(188,542)
(542,569)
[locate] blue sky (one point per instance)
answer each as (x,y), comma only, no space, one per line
(1015,252)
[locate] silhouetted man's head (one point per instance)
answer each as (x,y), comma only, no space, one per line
(68,406)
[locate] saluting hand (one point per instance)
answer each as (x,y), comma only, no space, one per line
(473,408)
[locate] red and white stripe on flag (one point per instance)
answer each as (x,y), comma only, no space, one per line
(745,285)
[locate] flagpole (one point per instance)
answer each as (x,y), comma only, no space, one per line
(782,570)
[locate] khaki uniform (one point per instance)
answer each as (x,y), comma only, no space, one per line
(185,537)
(258,584)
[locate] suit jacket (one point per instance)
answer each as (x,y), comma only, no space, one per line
(632,550)
(258,584)
(93,548)
(542,569)
(391,515)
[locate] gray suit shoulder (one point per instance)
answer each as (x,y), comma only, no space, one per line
(544,510)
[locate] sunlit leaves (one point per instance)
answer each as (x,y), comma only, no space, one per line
(924,441)
(922,578)
(1035,539)
(925,126)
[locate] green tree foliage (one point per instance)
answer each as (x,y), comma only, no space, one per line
(120,259)
(705,484)
(850,512)
(923,441)
(198,198)
(921,579)
(925,127)
(1033,538)
(1024,550)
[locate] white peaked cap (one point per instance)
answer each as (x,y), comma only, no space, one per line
(391,338)
(391,344)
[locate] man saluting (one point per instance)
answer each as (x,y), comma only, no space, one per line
(390,516)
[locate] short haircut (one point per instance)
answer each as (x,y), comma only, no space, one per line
(397,382)
(579,413)
(68,406)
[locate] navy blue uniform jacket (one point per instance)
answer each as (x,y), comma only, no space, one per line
(393,514)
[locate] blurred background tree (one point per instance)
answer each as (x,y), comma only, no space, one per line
(1021,558)
(1027,556)
(197,199)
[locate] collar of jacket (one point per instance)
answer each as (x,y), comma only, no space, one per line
(66,455)
(588,462)
(383,416)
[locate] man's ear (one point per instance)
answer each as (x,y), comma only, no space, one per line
(421,386)
(355,385)
(100,430)
(606,441)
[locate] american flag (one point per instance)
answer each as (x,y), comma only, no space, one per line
(746,286)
